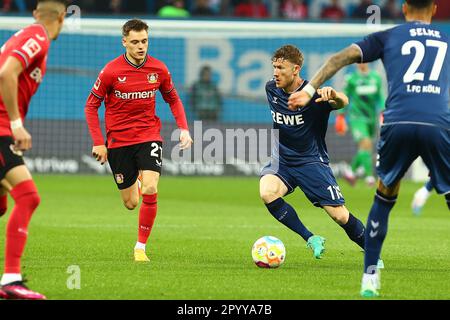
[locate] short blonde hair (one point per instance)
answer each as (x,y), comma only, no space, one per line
(290,53)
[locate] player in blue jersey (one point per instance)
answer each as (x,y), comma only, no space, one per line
(417,118)
(300,158)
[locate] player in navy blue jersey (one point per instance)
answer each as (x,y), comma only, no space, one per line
(416,120)
(300,157)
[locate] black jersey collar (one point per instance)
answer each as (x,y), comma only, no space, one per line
(135,65)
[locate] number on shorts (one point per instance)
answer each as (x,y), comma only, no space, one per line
(335,192)
(155,148)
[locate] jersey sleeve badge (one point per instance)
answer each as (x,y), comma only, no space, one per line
(31,48)
(97,83)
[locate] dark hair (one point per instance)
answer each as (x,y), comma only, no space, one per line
(205,68)
(290,53)
(419,4)
(134,25)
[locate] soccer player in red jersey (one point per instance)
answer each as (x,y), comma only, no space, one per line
(128,85)
(23,60)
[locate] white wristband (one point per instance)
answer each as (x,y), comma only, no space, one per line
(16,124)
(309,89)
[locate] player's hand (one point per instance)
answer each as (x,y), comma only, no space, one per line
(100,153)
(185,139)
(22,139)
(340,125)
(326,94)
(381,119)
(298,100)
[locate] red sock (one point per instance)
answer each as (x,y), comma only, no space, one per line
(26,200)
(147,215)
(3,204)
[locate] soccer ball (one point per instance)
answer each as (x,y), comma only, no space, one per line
(268,252)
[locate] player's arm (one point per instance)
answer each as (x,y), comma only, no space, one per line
(93,103)
(9,87)
(345,57)
(340,123)
(336,99)
(341,59)
(176,106)
(170,96)
(99,150)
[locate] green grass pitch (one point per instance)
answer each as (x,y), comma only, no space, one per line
(200,245)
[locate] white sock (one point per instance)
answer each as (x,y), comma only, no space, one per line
(370,277)
(10,277)
(424,192)
(139,245)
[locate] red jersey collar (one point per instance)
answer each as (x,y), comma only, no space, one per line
(45,30)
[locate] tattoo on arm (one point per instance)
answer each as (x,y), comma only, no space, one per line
(343,58)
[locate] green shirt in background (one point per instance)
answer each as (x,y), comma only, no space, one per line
(173,12)
(365,92)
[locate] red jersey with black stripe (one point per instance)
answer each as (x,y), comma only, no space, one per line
(30,46)
(129,94)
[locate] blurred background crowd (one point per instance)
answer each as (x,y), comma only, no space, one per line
(335,10)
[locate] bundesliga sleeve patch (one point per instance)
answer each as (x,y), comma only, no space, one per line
(31,48)
(97,84)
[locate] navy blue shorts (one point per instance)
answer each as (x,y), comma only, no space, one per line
(401,144)
(316,180)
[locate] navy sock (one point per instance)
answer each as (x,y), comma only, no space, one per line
(429,186)
(284,213)
(354,228)
(376,230)
(447,198)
